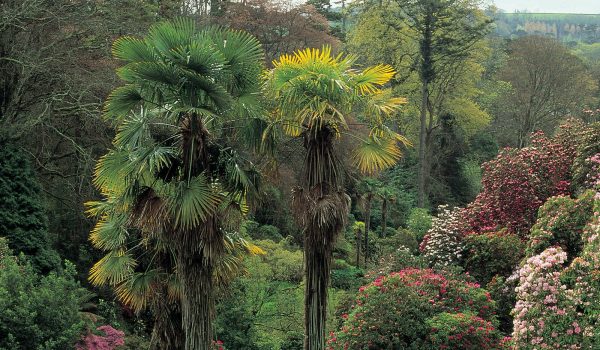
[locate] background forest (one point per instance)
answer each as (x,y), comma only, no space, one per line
(471,164)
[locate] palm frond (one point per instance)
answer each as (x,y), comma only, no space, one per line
(122,101)
(374,155)
(112,269)
(138,289)
(132,49)
(191,203)
(110,232)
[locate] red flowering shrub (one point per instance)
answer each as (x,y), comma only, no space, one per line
(517,182)
(403,309)
(109,341)
(462,331)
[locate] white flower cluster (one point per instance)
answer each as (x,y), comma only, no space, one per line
(442,244)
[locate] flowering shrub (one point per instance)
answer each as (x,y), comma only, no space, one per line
(588,140)
(560,222)
(442,245)
(585,272)
(462,331)
(545,315)
(109,341)
(405,309)
(492,253)
(517,182)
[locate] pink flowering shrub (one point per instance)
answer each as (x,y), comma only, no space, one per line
(442,245)
(518,181)
(545,315)
(111,339)
(406,309)
(584,274)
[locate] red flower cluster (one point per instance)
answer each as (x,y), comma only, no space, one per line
(517,182)
(109,341)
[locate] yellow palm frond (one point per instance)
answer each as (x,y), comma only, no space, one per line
(375,155)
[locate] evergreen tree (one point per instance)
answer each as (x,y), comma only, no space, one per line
(22,217)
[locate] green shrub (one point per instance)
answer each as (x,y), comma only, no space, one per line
(419,222)
(401,238)
(349,278)
(38,312)
(560,222)
(492,253)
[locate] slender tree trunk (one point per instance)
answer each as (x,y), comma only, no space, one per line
(384,209)
(358,244)
(422,146)
(367,227)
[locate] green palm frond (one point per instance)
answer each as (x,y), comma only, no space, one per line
(112,269)
(191,203)
(110,232)
(370,80)
(132,49)
(122,101)
(166,36)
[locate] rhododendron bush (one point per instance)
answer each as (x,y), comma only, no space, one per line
(517,182)
(442,245)
(419,309)
(108,339)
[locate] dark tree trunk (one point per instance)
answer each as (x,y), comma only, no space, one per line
(167,333)
(358,244)
(384,209)
(367,226)
(422,147)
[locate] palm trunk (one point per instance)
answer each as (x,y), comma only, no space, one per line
(167,333)
(197,303)
(358,244)
(317,269)
(322,190)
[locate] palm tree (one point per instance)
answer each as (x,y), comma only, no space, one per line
(174,187)
(387,196)
(315,96)
(368,188)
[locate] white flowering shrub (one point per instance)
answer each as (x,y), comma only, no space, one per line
(442,245)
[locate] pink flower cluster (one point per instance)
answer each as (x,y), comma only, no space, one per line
(109,341)
(545,315)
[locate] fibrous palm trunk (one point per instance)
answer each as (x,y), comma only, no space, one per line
(321,207)
(167,333)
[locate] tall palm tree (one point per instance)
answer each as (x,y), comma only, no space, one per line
(316,97)
(368,188)
(172,174)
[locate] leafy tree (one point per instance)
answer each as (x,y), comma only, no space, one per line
(438,45)
(548,82)
(280,27)
(22,217)
(169,174)
(38,312)
(314,94)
